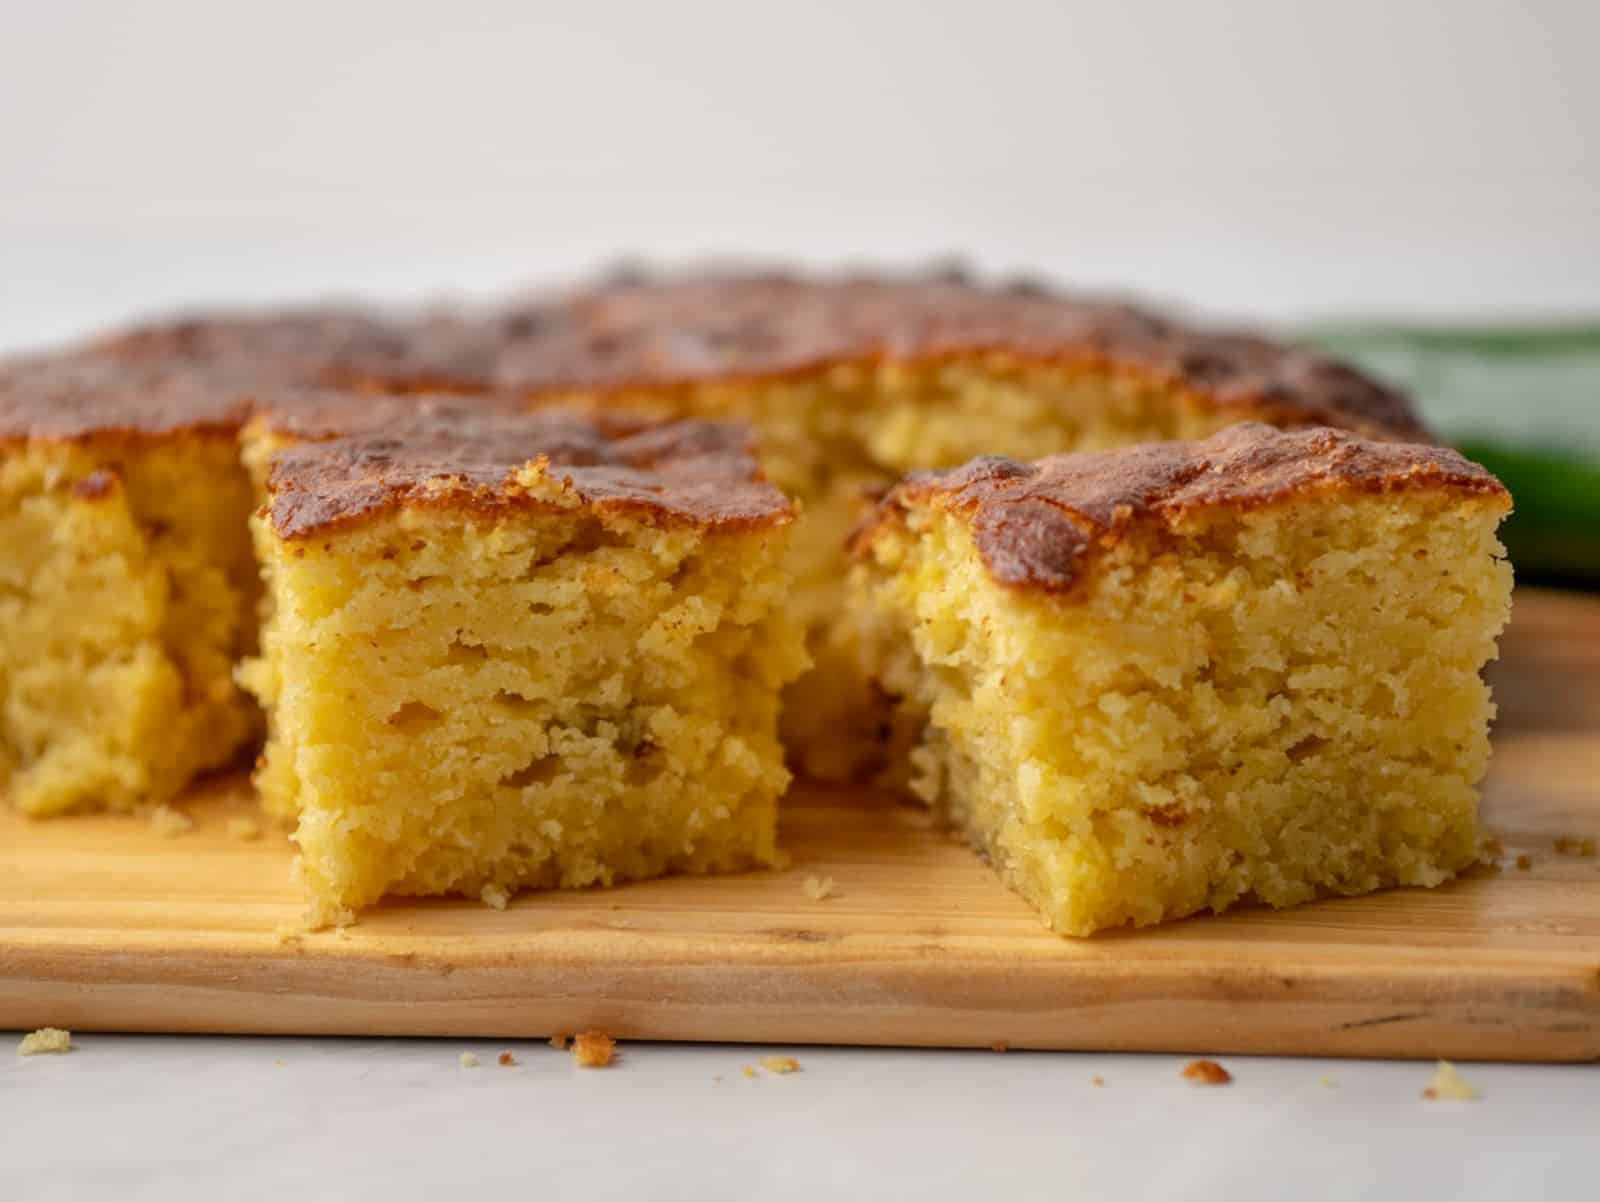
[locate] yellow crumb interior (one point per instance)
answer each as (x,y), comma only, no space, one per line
(835,437)
(127,591)
(555,696)
(1273,704)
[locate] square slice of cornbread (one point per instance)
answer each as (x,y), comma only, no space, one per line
(1156,681)
(511,652)
(127,584)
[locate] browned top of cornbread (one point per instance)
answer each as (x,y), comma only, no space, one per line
(200,374)
(1039,525)
(658,333)
(314,413)
(689,472)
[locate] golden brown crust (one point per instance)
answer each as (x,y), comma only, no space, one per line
(1038,525)
(664,333)
(203,374)
(692,472)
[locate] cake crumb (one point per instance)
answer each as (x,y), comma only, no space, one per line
(559,1042)
(1206,1072)
(505,1059)
(1449,1086)
(45,1040)
(592,1049)
(1097,1081)
(469,1060)
(750,1071)
(999,1045)
(780,1064)
(1573,845)
(818,888)
(1524,863)
(494,896)
(244,828)
(169,823)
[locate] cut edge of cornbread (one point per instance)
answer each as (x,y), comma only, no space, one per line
(836,438)
(520,688)
(1139,710)
(127,592)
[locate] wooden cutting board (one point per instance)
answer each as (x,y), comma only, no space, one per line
(105,925)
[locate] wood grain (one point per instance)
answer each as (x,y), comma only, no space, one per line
(105,925)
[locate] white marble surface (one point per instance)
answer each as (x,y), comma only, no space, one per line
(137,1117)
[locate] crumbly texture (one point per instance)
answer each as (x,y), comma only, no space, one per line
(1170,679)
(469,1060)
(531,655)
(127,591)
(593,1049)
(1206,1072)
(45,1040)
(854,380)
(1448,1085)
(782,1065)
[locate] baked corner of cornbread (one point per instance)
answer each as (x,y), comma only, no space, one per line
(126,588)
(524,651)
(1166,679)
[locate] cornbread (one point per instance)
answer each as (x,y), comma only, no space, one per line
(852,381)
(593,1049)
(516,651)
(127,582)
(1155,681)
(45,1041)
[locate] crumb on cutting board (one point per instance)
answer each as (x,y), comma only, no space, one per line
(469,1060)
(818,888)
(494,896)
(45,1040)
(1575,845)
(780,1064)
(1449,1086)
(592,1049)
(243,828)
(1206,1072)
(1492,849)
(168,822)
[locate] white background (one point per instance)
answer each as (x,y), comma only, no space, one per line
(1264,158)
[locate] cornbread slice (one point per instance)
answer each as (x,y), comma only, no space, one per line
(853,381)
(1161,680)
(127,582)
(516,652)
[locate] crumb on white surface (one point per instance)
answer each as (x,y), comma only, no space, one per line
(592,1049)
(749,1070)
(469,1060)
(780,1064)
(818,888)
(505,1059)
(1097,1081)
(1327,1082)
(168,822)
(1206,1072)
(494,896)
(244,828)
(45,1040)
(1449,1086)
